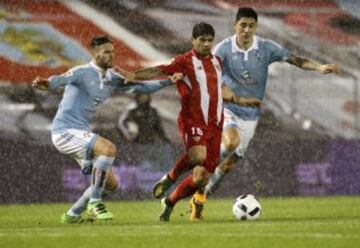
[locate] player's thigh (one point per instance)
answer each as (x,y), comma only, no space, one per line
(195,139)
(201,175)
(197,154)
(104,147)
(247,130)
(213,150)
(231,131)
(231,138)
(77,144)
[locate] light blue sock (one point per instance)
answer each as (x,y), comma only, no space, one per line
(80,205)
(219,175)
(102,166)
(214,182)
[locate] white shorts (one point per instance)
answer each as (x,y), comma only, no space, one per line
(245,128)
(77,144)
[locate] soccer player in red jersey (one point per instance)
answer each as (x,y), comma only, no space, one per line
(201,118)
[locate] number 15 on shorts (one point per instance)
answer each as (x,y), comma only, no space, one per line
(196,131)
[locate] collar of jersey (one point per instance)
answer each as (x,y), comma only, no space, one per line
(236,48)
(92,63)
(199,56)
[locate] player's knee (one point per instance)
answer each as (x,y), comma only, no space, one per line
(232,144)
(197,155)
(201,176)
(231,139)
(228,163)
(104,147)
(198,158)
(109,150)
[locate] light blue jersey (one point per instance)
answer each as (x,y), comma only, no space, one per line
(246,72)
(85,89)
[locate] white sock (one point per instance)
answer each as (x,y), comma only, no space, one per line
(214,181)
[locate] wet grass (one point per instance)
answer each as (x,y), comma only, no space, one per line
(285,222)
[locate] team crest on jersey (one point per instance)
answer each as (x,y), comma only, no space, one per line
(97,101)
(248,78)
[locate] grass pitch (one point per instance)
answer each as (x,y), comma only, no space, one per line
(285,222)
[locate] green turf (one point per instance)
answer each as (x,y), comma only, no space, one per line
(285,222)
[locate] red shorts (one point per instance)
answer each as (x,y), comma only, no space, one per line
(210,137)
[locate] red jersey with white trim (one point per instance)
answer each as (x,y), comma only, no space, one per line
(200,89)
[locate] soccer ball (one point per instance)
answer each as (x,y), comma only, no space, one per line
(246,207)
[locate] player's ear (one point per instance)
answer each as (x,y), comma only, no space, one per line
(94,52)
(234,25)
(256,25)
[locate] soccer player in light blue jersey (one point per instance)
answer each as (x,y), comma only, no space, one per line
(246,58)
(86,87)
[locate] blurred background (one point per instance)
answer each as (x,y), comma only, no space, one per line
(308,138)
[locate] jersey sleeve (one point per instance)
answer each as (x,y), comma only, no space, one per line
(145,87)
(176,65)
(219,50)
(118,81)
(62,80)
(277,52)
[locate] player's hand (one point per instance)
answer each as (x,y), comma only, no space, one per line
(250,102)
(128,75)
(176,77)
(40,83)
(329,68)
(227,94)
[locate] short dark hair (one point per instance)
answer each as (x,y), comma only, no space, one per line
(246,12)
(100,40)
(202,28)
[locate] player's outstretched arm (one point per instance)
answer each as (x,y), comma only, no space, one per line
(41,83)
(307,64)
(250,102)
(146,87)
(229,96)
(144,74)
(151,86)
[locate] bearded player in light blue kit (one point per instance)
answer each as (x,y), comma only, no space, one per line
(86,87)
(246,58)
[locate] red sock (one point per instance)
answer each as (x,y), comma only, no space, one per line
(185,188)
(181,166)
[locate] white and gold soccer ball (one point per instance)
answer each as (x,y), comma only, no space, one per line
(246,207)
